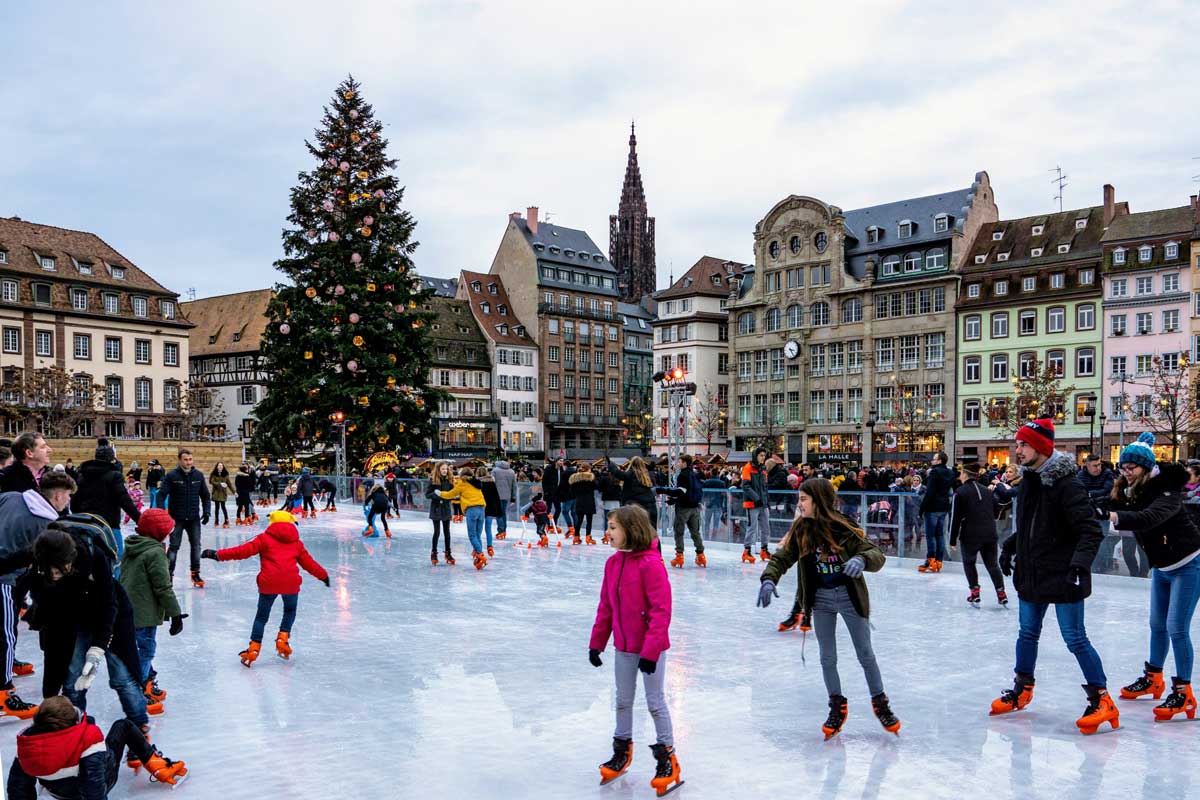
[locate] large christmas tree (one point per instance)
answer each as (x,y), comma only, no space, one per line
(348,333)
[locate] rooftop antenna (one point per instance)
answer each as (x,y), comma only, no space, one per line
(546,215)
(1061,180)
(191,293)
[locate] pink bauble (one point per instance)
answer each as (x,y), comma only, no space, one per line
(354,318)
(353,114)
(379,193)
(331,161)
(399,308)
(333,236)
(285,329)
(327,205)
(355,258)
(352,366)
(368,220)
(339,290)
(344,166)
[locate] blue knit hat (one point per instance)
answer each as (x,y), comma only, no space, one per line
(1140,452)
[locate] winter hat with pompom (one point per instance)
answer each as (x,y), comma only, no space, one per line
(1140,452)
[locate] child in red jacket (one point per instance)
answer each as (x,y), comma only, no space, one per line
(635,609)
(280,550)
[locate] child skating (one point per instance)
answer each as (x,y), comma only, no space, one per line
(635,609)
(833,554)
(540,512)
(471,499)
(376,507)
(281,553)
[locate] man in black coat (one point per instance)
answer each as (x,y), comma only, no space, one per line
(102,491)
(31,455)
(1098,481)
(973,520)
(1055,542)
(185,493)
(552,479)
(935,508)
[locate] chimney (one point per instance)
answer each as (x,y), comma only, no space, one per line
(1196,208)
(515,215)
(531,219)
(1110,204)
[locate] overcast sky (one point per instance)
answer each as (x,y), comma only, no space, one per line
(175,131)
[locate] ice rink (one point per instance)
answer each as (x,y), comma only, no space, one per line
(412,681)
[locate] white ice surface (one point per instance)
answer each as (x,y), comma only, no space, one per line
(410,681)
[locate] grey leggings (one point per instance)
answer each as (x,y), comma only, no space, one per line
(828,605)
(625,669)
(759,524)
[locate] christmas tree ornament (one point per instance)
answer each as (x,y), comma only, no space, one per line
(311,234)
(370,287)
(354,318)
(339,290)
(379,194)
(412,303)
(400,427)
(420,401)
(333,236)
(391,327)
(358,341)
(365,231)
(363,174)
(364,400)
(285,329)
(327,205)
(310,292)
(354,137)
(353,114)
(344,166)
(391,382)
(392,357)
(399,308)
(355,258)
(387,287)
(368,220)
(308,355)
(354,197)
(352,365)
(331,161)
(382,439)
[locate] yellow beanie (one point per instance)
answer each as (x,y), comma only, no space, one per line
(281,516)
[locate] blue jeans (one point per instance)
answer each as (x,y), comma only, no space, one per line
(120,680)
(147,646)
(502,520)
(153,497)
(474,516)
(935,534)
(1173,597)
(265,602)
(1070,624)
(567,516)
(487,527)
(712,516)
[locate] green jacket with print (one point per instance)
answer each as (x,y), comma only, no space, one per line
(852,545)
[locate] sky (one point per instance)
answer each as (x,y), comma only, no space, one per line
(175,131)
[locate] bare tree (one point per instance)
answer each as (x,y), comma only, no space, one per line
(1037,391)
(59,399)
(912,420)
(1170,410)
(770,432)
(202,412)
(708,417)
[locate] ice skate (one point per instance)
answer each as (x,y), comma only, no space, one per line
(790,624)
(701,560)
(575,539)
(937,565)
(153,707)
(927,566)
(387,533)
(491,552)
(1016,698)
(748,557)
(1151,683)
(250,654)
(225,524)
(1001,597)
(677,561)
(163,770)
(501,535)
(369,532)
(618,765)
(837,716)
(282,648)
(14,706)
(1179,700)
(605,539)
(1100,709)
(973,597)
(197,581)
(151,688)
(22,668)
(479,559)
(450,559)
(588,538)
(666,772)
(433,557)
(883,712)
(543,541)
(764,554)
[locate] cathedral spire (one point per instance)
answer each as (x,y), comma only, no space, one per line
(631,233)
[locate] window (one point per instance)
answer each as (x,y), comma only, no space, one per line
(1118,256)
(972,326)
(819,313)
(1057,280)
(170,354)
(912,262)
(3,256)
(854,405)
(1171,282)
(1118,288)
(79,299)
(1145,253)
(818,276)
(1000,325)
(910,351)
(1057,361)
(1081,223)
(837,358)
(1027,322)
(1025,366)
(872,235)
(83,346)
(1144,323)
(1117,366)
(837,407)
(41,294)
(1085,362)
(776,363)
(1028,283)
(997,235)
(118,273)
(8,290)
(973,290)
(1087,277)
(854,356)
(816,360)
(112,303)
(141,394)
(170,396)
(852,310)
(999,367)
(891,266)
(1056,319)
(935,350)
(773,249)
(746,322)
(935,258)
(773,319)
(1144,364)
(612,359)
(112,348)
(1170,362)
(885,400)
(816,407)
(47,263)
(1170,320)
(941,223)
(112,392)
(1116,325)
(1035,252)
(905,229)
(885,354)
(1144,286)
(167,309)
(1001,288)
(140,309)
(971,413)
(141,351)
(1085,317)
(981,259)
(1064,248)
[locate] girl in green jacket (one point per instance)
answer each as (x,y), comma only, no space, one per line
(833,554)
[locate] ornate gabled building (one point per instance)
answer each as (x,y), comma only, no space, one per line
(631,235)
(225,363)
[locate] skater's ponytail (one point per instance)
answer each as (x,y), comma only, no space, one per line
(816,533)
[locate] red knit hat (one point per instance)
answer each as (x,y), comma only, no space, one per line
(155,523)
(1038,434)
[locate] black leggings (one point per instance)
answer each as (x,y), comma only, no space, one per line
(372,514)
(445,523)
(584,523)
(244,508)
(308,504)
(991,562)
(331,500)
(219,509)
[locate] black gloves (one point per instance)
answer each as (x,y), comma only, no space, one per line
(1006,564)
(594,658)
(177,624)
(209,554)
(647,666)
(325,581)
(1079,583)
(204,520)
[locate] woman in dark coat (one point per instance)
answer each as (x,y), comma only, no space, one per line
(636,486)
(583,490)
(439,509)
(492,510)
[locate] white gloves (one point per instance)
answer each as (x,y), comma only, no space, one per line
(91,664)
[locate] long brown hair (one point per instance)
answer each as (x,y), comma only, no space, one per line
(633,519)
(1119,485)
(637,468)
(816,532)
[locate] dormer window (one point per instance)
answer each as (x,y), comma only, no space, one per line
(485,307)
(539,246)
(503,329)
(476,286)
(555,249)
(1035,252)
(1064,248)
(84,267)
(1118,256)
(599,259)
(502,310)
(111,303)
(905,229)
(237,336)
(167,309)
(1037,230)
(716,279)
(873,235)
(1145,253)
(118,273)
(212,339)
(519,330)
(140,307)
(1171,250)
(941,223)
(1081,223)
(569,253)
(982,259)
(492,289)
(997,235)
(3,256)
(47,263)
(1002,256)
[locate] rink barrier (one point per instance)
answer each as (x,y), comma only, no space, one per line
(890,519)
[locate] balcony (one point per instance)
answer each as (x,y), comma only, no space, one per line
(568,391)
(569,337)
(552,417)
(597,367)
(568,419)
(935,363)
(568,311)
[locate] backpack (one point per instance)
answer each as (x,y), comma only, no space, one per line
(96,533)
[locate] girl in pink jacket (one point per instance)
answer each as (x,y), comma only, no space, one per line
(635,609)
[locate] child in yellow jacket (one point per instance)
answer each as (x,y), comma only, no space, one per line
(470,496)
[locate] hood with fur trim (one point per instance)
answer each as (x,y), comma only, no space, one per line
(580,477)
(1058,465)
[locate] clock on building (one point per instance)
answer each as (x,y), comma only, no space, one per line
(791,349)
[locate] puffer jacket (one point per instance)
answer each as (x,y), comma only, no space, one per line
(184,495)
(1056,530)
(633,492)
(243,483)
(973,515)
(583,491)
(506,481)
(439,509)
(1163,525)
(468,495)
(635,604)
(102,492)
(72,762)
(23,515)
(1099,487)
(754,485)
(491,497)
(147,581)
(939,485)
(281,554)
